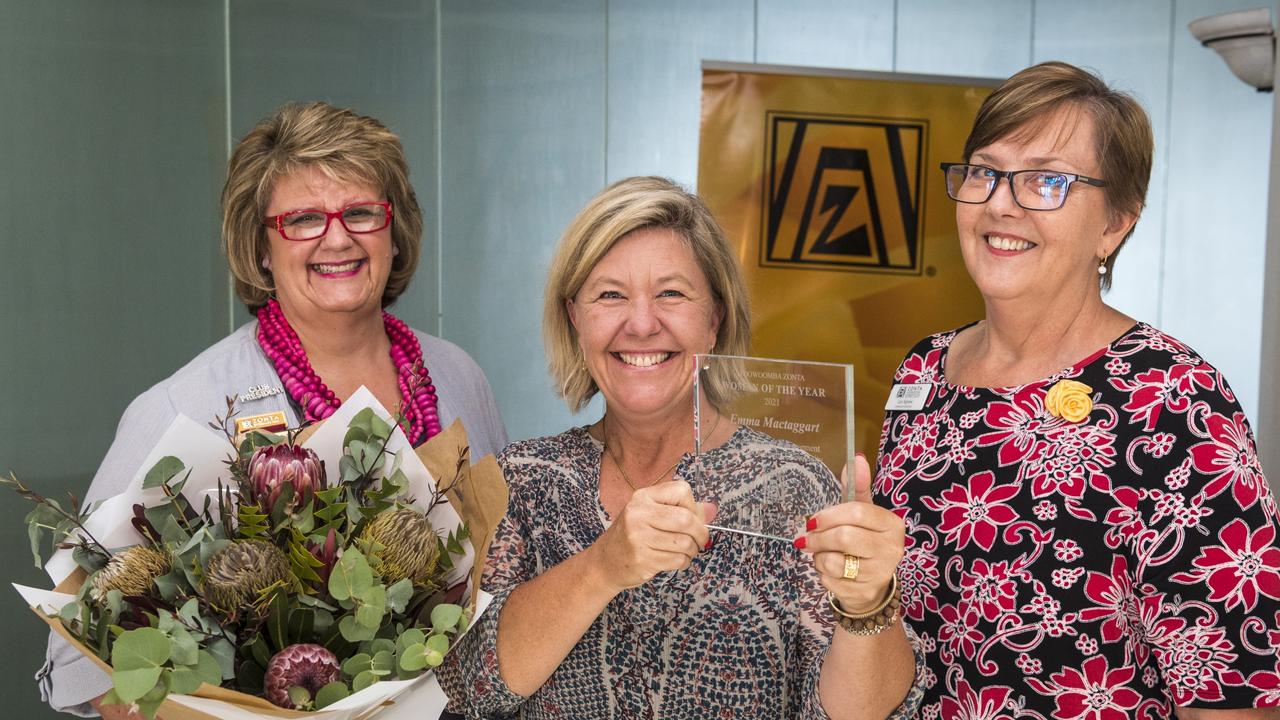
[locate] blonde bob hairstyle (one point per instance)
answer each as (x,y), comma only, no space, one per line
(628,205)
(1124,145)
(345,146)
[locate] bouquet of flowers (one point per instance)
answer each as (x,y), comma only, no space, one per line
(281,576)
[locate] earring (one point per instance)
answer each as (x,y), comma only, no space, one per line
(1102,266)
(395,250)
(266,262)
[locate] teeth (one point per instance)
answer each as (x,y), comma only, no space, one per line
(330,269)
(1004,243)
(644,360)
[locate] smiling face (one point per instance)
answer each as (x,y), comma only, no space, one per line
(642,314)
(339,272)
(1038,256)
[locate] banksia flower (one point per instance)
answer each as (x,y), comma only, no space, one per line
(237,574)
(132,572)
(302,665)
(274,466)
(409,547)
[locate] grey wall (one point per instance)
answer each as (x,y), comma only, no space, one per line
(513,113)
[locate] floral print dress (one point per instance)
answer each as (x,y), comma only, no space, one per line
(1103,569)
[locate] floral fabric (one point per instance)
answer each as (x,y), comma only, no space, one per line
(1102,569)
(741,633)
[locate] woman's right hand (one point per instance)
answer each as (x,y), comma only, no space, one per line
(661,528)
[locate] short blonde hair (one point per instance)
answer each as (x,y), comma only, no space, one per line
(628,205)
(344,145)
(1124,144)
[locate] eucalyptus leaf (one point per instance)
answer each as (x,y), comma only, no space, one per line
(383,663)
(184,649)
(382,644)
(412,636)
(445,617)
(353,631)
(184,680)
(363,680)
(150,703)
(414,657)
(224,654)
(373,605)
(133,684)
(399,594)
(357,664)
(162,472)
(140,649)
(330,694)
(351,575)
(299,696)
(438,643)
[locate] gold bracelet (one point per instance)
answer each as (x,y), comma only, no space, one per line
(875,620)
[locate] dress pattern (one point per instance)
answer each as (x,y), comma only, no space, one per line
(740,634)
(1104,569)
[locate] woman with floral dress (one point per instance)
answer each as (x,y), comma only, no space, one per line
(1089,533)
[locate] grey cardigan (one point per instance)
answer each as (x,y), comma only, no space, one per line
(232,366)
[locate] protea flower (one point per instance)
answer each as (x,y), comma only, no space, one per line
(302,665)
(409,547)
(132,571)
(326,553)
(237,574)
(274,466)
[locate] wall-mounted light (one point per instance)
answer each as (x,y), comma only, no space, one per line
(1246,40)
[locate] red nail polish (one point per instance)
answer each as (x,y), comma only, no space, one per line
(707,546)
(812,524)
(864,457)
(800,542)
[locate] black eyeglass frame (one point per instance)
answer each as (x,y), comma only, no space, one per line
(1071,178)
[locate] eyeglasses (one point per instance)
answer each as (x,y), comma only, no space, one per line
(1032,189)
(365,217)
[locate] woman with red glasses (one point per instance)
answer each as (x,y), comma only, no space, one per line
(322,232)
(1089,533)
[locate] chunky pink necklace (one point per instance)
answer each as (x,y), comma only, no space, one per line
(284,350)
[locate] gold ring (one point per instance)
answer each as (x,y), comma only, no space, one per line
(851,564)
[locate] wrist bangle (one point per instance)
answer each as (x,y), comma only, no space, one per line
(875,620)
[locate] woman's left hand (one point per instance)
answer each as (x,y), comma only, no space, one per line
(858,529)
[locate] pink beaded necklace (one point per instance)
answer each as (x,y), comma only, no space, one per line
(284,350)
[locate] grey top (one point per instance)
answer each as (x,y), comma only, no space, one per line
(232,366)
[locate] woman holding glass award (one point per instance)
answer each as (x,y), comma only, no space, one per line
(1089,533)
(612,596)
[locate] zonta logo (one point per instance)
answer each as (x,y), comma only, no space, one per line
(843,193)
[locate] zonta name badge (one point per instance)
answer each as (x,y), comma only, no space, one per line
(271,422)
(908,396)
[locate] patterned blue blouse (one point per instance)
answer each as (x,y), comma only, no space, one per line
(740,634)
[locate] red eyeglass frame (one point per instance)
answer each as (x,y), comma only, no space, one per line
(276,222)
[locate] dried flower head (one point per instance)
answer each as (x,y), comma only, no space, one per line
(237,574)
(132,571)
(408,547)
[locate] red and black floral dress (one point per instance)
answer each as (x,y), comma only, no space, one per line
(1105,568)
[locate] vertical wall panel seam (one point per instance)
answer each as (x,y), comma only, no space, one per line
(1031,54)
(755,31)
(605,179)
(1168,169)
(438,109)
(226,100)
(893,62)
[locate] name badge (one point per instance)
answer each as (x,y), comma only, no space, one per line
(271,422)
(909,396)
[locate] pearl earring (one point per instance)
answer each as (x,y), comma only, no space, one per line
(1102,266)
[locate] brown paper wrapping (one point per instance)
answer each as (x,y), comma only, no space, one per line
(478,494)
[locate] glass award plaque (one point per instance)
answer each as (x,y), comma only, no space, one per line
(809,404)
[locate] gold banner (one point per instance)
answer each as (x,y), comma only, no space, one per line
(830,189)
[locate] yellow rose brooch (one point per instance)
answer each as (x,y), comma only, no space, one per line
(1069,400)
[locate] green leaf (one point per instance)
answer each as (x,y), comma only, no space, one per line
(131,685)
(353,631)
(373,605)
(445,617)
(382,643)
(139,649)
(414,657)
(184,680)
(438,643)
(162,472)
(184,647)
(224,654)
(384,663)
(150,703)
(299,696)
(351,575)
(399,594)
(363,680)
(357,664)
(412,636)
(330,694)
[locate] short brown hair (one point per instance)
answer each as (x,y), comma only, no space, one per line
(628,205)
(1124,144)
(344,145)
